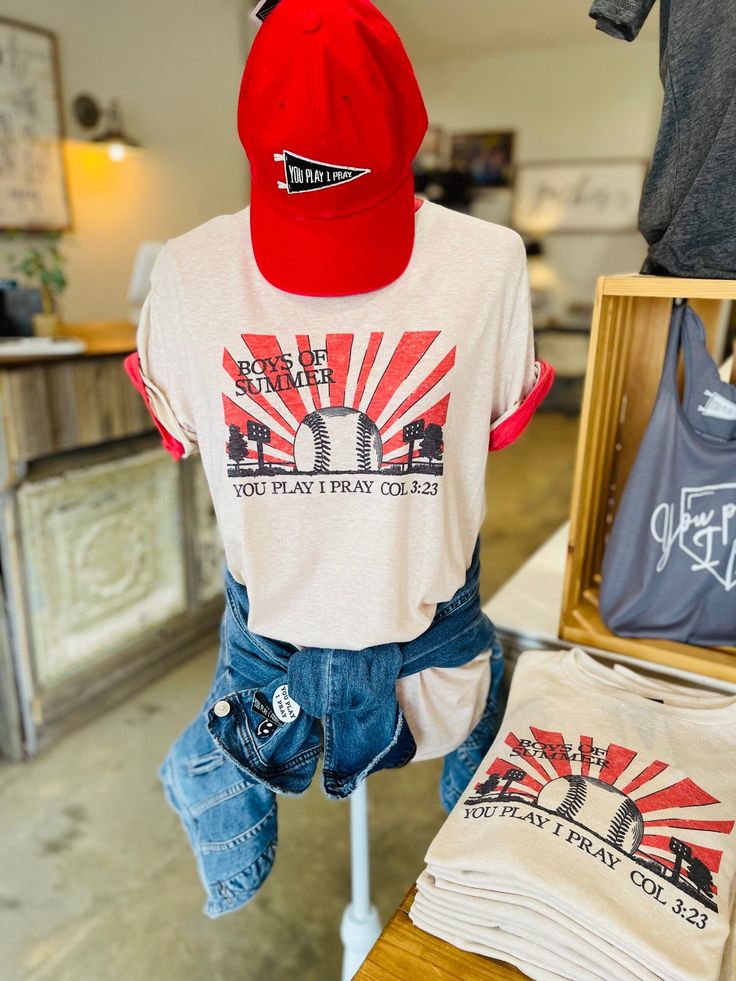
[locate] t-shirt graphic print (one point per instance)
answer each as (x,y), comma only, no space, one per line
(337,405)
(616,805)
(606,805)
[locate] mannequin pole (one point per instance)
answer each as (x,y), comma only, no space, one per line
(360,925)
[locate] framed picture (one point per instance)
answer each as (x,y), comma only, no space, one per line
(33,181)
(578,196)
(487,157)
(433,153)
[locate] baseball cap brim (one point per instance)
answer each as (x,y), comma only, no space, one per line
(335,256)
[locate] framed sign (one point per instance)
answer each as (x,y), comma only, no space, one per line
(33,184)
(584,196)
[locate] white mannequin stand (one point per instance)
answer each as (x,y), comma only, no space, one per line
(360,925)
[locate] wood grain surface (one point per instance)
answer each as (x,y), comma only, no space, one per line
(403,952)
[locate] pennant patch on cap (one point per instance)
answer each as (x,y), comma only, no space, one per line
(264,8)
(303,174)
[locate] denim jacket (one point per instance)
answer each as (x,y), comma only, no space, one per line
(273,708)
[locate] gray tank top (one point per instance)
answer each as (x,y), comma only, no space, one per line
(669,570)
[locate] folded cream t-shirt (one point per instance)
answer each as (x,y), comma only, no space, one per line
(611,799)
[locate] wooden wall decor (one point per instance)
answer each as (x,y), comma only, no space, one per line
(33,180)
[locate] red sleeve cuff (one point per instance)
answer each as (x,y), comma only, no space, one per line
(132,366)
(514,425)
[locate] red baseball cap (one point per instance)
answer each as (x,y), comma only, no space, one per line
(331,117)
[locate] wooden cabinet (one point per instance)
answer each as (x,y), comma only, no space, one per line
(111,558)
(54,406)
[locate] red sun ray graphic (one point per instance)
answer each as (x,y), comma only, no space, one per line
(515,743)
(338,358)
(669,864)
(231,367)
(239,417)
(586,749)
(710,857)
(437,414)
(304,347)
(555,750)
(263,346)
(684,793)
(578,782)
(432,379)
(408,353)
(371,351)
(502,768)
(647,774)
(313,376)
(719,827)
(617,760)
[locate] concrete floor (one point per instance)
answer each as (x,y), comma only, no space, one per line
(97,882)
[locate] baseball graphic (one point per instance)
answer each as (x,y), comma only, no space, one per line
(337,439)
(598,806)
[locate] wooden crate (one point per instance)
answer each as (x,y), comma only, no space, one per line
(630,326)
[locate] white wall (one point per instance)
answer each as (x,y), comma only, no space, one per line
(175,66)
(597,100)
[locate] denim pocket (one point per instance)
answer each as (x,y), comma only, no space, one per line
(281,755)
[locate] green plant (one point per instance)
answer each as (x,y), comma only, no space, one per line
(42,264)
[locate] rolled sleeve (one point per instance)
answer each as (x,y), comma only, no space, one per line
(512,424)
(159,370)
(522,382)
(621,18)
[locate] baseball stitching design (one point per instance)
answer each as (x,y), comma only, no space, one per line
(364,440)
(574,799)
(318,426)
(621,822)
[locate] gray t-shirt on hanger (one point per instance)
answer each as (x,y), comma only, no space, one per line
(688,209)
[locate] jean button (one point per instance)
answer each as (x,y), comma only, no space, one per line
(222,708)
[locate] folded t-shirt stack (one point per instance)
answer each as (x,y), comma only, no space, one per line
(596,840)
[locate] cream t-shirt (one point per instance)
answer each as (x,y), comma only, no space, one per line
(609,799)
(344,439)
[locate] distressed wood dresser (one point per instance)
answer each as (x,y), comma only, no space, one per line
(110,557)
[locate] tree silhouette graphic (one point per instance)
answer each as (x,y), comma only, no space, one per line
(488,786)
(431,445)
(681,851)
(510,777)
(237,447)
(699,875)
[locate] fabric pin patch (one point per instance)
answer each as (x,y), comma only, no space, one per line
(303,174)
(270,722)
(284,706)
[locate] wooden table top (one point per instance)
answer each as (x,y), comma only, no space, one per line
(403,952)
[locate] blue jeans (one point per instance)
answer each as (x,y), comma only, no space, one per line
(273,709)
